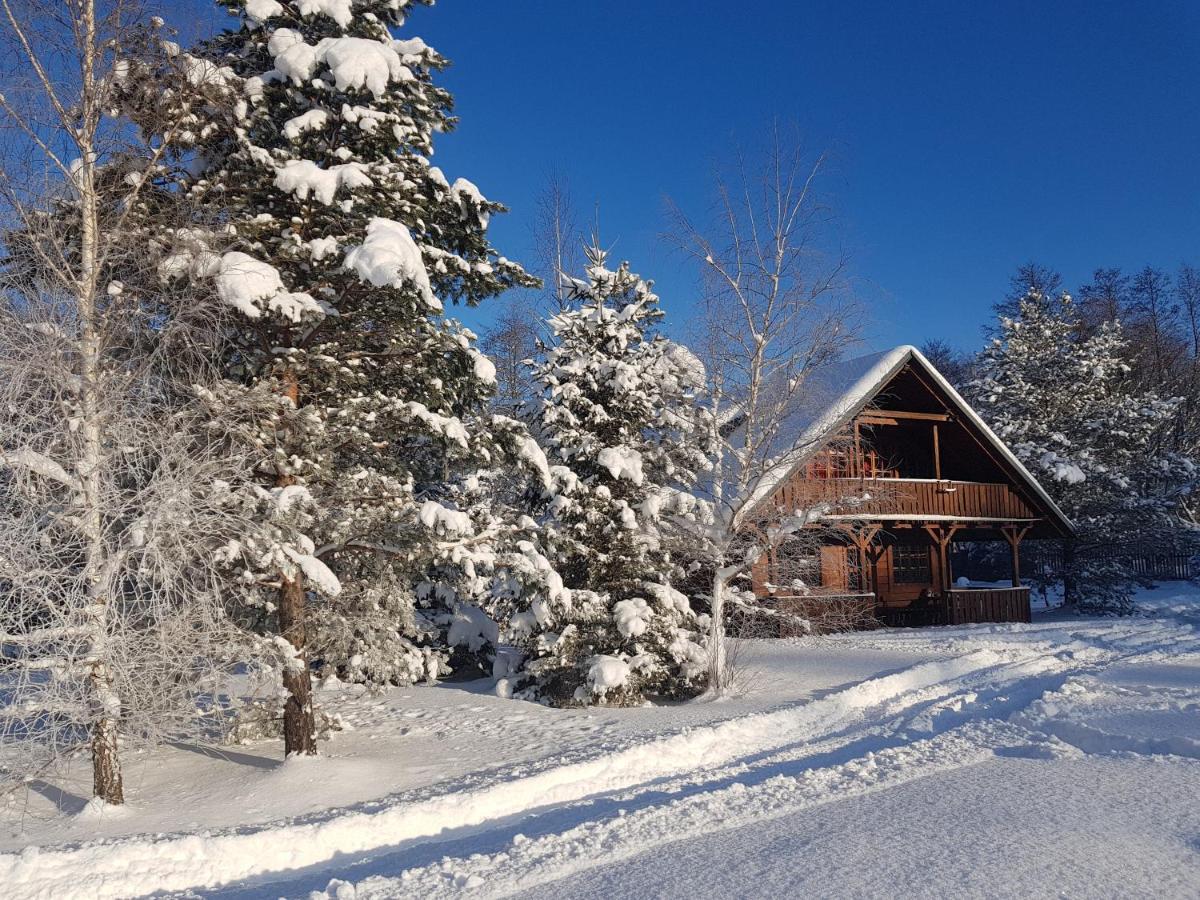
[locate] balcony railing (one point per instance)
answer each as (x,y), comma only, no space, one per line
(906,497)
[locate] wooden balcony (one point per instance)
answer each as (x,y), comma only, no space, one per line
(907,498)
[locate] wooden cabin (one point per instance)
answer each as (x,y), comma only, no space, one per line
(906,470)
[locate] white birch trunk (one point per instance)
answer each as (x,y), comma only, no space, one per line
(107,782)
(718,669)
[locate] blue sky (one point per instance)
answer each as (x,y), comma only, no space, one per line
(967,137)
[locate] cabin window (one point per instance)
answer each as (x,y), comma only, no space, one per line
(911,564)
(797,567)
(831,464)
(855,582)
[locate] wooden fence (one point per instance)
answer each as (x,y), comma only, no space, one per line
(1048,556)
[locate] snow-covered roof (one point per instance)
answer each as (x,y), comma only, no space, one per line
(834,394)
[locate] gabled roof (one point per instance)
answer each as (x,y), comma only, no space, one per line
(834,394)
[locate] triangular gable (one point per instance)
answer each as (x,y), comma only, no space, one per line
(835,394)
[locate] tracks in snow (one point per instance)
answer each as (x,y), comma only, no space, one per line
(885,731)
(936,726)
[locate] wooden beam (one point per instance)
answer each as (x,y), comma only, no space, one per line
(858,454)
(1014,534)
(861,536)
(937,454)
(1017,483)
(942,537)
(904,414)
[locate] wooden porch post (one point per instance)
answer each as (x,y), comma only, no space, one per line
(942,538)
(861,537)
(1014,535)
(857,471)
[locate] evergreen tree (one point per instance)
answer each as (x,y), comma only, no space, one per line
(1032,280)
(617,413)
(336,242)
(1065,405)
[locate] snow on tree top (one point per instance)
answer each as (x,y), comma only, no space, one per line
(338,10)
(261,10)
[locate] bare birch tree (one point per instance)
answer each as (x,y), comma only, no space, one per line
(775,307)
(558,243)
(106,470)
(513,338)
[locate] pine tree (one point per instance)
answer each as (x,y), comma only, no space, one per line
(1065,405)
(336,242)
(617,415)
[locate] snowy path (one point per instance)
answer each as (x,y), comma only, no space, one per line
(988,707)
(1002,693)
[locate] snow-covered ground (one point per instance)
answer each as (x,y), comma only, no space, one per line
(1060,758)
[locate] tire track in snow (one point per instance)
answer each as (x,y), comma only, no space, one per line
(529,863)
(702,755)
(142,865)
(965,729)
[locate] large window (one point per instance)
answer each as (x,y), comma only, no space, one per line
(855,583)
(797,567)
(910,564)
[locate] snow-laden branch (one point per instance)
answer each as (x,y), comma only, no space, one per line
(38,464)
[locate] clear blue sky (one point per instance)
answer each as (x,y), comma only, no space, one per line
(969,137)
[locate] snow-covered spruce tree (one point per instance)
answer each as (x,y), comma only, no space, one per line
(617,416)
(338,241)
(1066,406)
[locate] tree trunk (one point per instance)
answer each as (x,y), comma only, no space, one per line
(718,674)
(299,725)
(107,783)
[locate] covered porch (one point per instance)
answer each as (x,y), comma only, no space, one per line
(906,563)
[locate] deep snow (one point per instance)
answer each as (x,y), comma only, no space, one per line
(1058,758)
